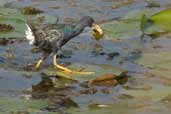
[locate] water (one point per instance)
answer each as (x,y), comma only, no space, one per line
(143,93)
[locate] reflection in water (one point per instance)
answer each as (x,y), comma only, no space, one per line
(56,91)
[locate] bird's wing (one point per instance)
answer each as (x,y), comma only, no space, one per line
(29,32)
(53,34)
(34,32)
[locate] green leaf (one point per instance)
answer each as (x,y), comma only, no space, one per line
(145,23)
(157,93)
(162,17)
(14,18)
(135,20)
(159,62)
(157,23)
(119,28)
(98,69)
(9,106)
(137,14)
(159,67)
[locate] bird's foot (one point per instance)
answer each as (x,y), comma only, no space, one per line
(72,71)
(34,67)
(30,67)
(68,70)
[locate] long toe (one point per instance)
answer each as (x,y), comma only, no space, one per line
(66,70)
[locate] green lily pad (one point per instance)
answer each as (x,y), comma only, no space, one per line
(14,18)
(162,19)
(119,28)
(159,65)
(159,62)
(157,23)
(157,92)
(151,21)
(161,73)
(3,2)
(130,24)
(97,69)
(152,59)
(17,20)
(8,106)
(137,14)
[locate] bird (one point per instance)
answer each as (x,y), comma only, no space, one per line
(50,39)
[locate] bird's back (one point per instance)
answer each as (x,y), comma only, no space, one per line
(43,36)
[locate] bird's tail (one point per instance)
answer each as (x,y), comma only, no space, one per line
(30,31)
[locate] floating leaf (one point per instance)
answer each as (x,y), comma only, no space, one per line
(151,3)
(145,23)
(14,18)
(119,28)
(152,59)
(13,105)
(162,19)
(156,93)
(157,23)
(159,62)
(137,21)
(137,14)
(98,69)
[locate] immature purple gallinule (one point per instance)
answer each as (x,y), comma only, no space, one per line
(49,39)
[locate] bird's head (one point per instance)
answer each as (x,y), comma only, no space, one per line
(97,32)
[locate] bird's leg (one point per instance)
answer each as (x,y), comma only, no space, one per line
(66,69)
(40,61)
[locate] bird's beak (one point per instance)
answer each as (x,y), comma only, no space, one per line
(97,32)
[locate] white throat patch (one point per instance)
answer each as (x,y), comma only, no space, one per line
(29,35)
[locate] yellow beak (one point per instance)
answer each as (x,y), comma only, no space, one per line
(97,32)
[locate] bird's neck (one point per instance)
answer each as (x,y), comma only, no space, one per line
(76,31)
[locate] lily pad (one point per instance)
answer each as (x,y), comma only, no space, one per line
(119,28)
(157,93)
(152,59)
(133,21)
(151,20)
(161,73)
(97,69)
(137,14)
(159,62)
(157,23)
(16,19)
(3,2)
(162,19)
(8,106)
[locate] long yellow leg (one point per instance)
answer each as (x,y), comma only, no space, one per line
(39,62)
(66,69)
